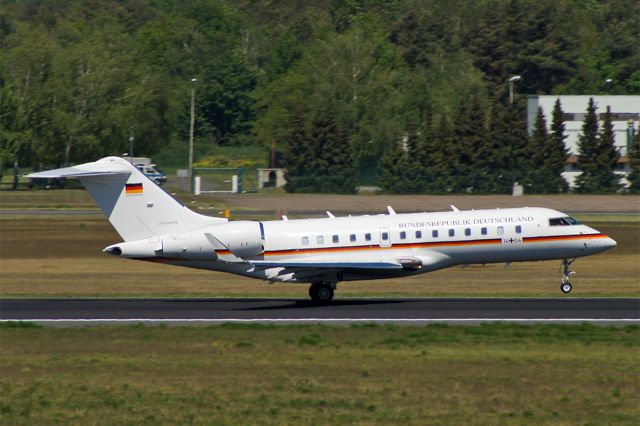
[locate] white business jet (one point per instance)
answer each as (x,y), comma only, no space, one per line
(155,227)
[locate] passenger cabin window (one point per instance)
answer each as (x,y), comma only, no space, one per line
(563,221)
(467,231)
(367,237)
(335,239)
(434,233)
(385,236)
(320,239)
(418,234)
(352,238)
(452,232)
(500,230)
(518,229)
(403,235)
(483,231)
(305,241)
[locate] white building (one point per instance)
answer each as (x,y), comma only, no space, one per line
(625,111)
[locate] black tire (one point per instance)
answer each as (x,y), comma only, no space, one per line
(565,288)
(321,293)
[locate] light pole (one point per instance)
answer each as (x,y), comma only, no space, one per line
(607,85)
(131,140)
(511,81)
(193,121)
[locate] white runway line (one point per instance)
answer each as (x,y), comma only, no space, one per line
(302,320)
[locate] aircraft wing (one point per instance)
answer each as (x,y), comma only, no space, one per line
(328,264)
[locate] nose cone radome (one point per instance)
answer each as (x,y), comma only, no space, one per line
(610,243)
(603,244)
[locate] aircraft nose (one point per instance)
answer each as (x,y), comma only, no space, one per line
(605,244)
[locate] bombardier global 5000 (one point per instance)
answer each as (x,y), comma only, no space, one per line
(323,252)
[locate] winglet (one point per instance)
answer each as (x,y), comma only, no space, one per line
(391,210)
(454,208)
(330,214)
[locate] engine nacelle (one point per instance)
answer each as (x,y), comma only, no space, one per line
(185,245)
(244,238)
(149,247)
(188,245)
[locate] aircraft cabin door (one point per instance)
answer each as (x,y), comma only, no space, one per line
(385,237)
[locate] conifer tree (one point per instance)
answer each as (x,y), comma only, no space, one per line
(588,147)
(470,134)
(608,156)
(427,154)
(504,146)
(413,172)
(633,153)
(392,166)
(298,159)
(444,158)
(556,152)
(336,170)
(536,180)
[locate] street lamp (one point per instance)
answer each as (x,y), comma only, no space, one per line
(193,121)
(607,85)
(131,140)
(511,81)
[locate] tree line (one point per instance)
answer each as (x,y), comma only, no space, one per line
(484,152)
(78,78)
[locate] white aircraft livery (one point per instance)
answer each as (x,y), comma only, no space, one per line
(155,227)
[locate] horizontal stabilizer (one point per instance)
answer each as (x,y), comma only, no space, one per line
(83,170)
(326,265)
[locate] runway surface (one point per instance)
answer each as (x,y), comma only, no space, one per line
(88,311)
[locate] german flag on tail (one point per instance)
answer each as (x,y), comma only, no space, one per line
(133,189)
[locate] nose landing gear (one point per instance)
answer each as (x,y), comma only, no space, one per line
(565,285)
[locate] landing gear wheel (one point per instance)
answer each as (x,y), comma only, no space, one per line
(565,285)
(321,293)
(565,288)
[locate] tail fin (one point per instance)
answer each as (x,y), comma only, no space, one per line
(136,207)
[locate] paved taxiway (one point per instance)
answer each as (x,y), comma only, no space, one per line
(73,310)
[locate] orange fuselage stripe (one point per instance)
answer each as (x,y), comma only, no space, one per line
(406,245)
(427,244)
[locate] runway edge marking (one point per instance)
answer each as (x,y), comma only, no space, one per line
(250,320)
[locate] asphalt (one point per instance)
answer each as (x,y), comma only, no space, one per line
(87,311)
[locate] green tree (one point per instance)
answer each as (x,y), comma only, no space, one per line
(538,141)
(556,152)
(299,156)
(633,153)
(548,155)
(598,155)
(471,149)
(588,152)
(334,166)
(608,156)
(392,167)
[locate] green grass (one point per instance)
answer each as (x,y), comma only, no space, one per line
(366,374)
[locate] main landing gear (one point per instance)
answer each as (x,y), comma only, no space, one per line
(565,285)
(322,292)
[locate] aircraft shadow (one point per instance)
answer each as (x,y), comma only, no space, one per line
(308,304)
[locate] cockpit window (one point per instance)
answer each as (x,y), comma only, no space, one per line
(563,221)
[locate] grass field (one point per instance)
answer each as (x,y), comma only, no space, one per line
(61,256)
(232,374)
